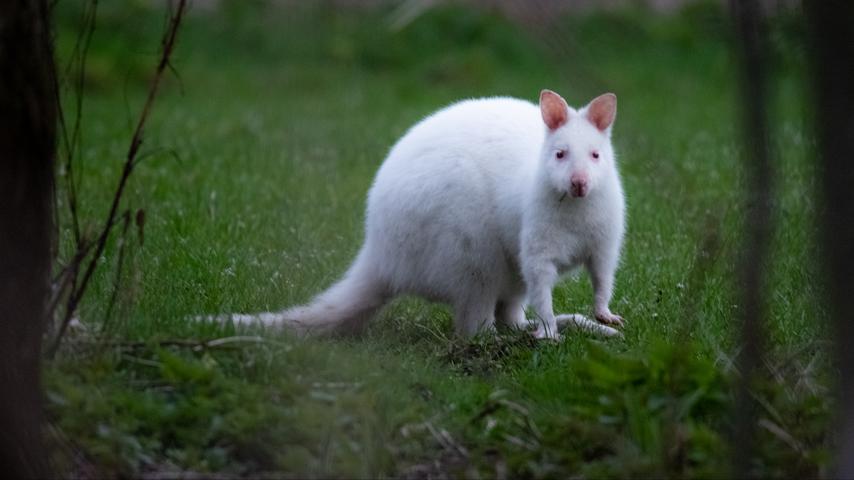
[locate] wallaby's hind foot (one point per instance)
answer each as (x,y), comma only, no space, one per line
(474,317)
(512,313)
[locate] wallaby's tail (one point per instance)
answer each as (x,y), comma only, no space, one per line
(344,308)
(576,320)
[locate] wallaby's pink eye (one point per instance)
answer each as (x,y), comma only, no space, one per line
(560,153)
(595,155)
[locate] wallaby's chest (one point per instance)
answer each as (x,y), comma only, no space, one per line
(568,238)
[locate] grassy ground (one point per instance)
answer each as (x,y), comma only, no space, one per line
(261,153)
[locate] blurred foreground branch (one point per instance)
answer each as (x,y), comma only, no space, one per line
(832,36)
(750,30)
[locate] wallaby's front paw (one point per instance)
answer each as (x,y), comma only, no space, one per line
(609,318)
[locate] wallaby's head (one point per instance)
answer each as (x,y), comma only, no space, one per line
(577,152)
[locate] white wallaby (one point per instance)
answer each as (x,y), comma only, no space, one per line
(481,205)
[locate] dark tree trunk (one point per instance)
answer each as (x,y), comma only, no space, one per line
(832,36)
(27,141)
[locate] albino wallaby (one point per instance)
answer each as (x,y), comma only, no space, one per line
(482,205)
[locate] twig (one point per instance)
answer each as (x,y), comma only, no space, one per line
(235,339)
(195,345)
(68,276)
(190,475)
(119,264)
(446,440)
(783,435)
(704,260)
(168,44)
(78,58)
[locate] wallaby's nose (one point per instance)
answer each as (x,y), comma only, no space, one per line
(578,184)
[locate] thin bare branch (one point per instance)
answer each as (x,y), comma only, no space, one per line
(76,67)
(195,345)
(168,45)
(117,281)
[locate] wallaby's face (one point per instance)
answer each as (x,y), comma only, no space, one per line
(577,151)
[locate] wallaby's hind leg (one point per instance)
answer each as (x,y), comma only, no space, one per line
(474,316)
(511,312)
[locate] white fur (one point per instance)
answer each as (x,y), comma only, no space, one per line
(471,208)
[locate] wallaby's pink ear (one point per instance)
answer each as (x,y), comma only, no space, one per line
(554,109)
(602,111)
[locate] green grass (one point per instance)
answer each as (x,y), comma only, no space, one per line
(261,153)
